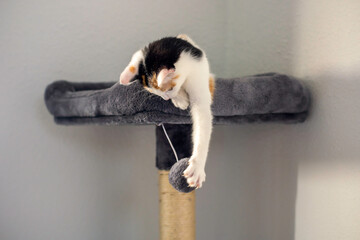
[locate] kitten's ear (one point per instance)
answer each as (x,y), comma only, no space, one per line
(165,77)
(132,69)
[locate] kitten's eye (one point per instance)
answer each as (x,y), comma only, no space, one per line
(170,89)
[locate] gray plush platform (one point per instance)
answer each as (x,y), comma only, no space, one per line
(261,98)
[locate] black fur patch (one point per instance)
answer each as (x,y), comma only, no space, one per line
(142,72)
(164,53)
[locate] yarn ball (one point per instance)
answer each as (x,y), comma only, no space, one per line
(176,178)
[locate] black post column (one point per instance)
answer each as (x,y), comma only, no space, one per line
(180,136)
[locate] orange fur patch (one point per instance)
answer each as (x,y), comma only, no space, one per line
(212,87)
(132,69)
(168,86)
(153,81)
(176,77)
(163,88)
(172,85)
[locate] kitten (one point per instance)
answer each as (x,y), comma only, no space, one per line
(176,68)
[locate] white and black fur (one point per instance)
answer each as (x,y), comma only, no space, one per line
(176,68)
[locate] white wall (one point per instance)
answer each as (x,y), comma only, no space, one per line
(307,176)
(327,54)
(267,181)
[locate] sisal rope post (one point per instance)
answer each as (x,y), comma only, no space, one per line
(177,211)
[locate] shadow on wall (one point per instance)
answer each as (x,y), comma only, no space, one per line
(331,132)
(251,183)
(255,169)
(252,170)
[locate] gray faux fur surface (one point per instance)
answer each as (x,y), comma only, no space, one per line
(267,97)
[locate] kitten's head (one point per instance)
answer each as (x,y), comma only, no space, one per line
(154,66)
(159,82)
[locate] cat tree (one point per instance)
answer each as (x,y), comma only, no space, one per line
(261,98)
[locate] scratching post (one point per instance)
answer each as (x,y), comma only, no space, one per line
(269,97)
(177,211)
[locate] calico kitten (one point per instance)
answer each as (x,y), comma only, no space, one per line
(176,68)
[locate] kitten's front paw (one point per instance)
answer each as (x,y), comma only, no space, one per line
(195,174)
(182,103)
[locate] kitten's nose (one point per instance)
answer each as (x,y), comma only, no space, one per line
(165,97)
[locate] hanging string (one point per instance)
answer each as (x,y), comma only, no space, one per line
(172,147)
